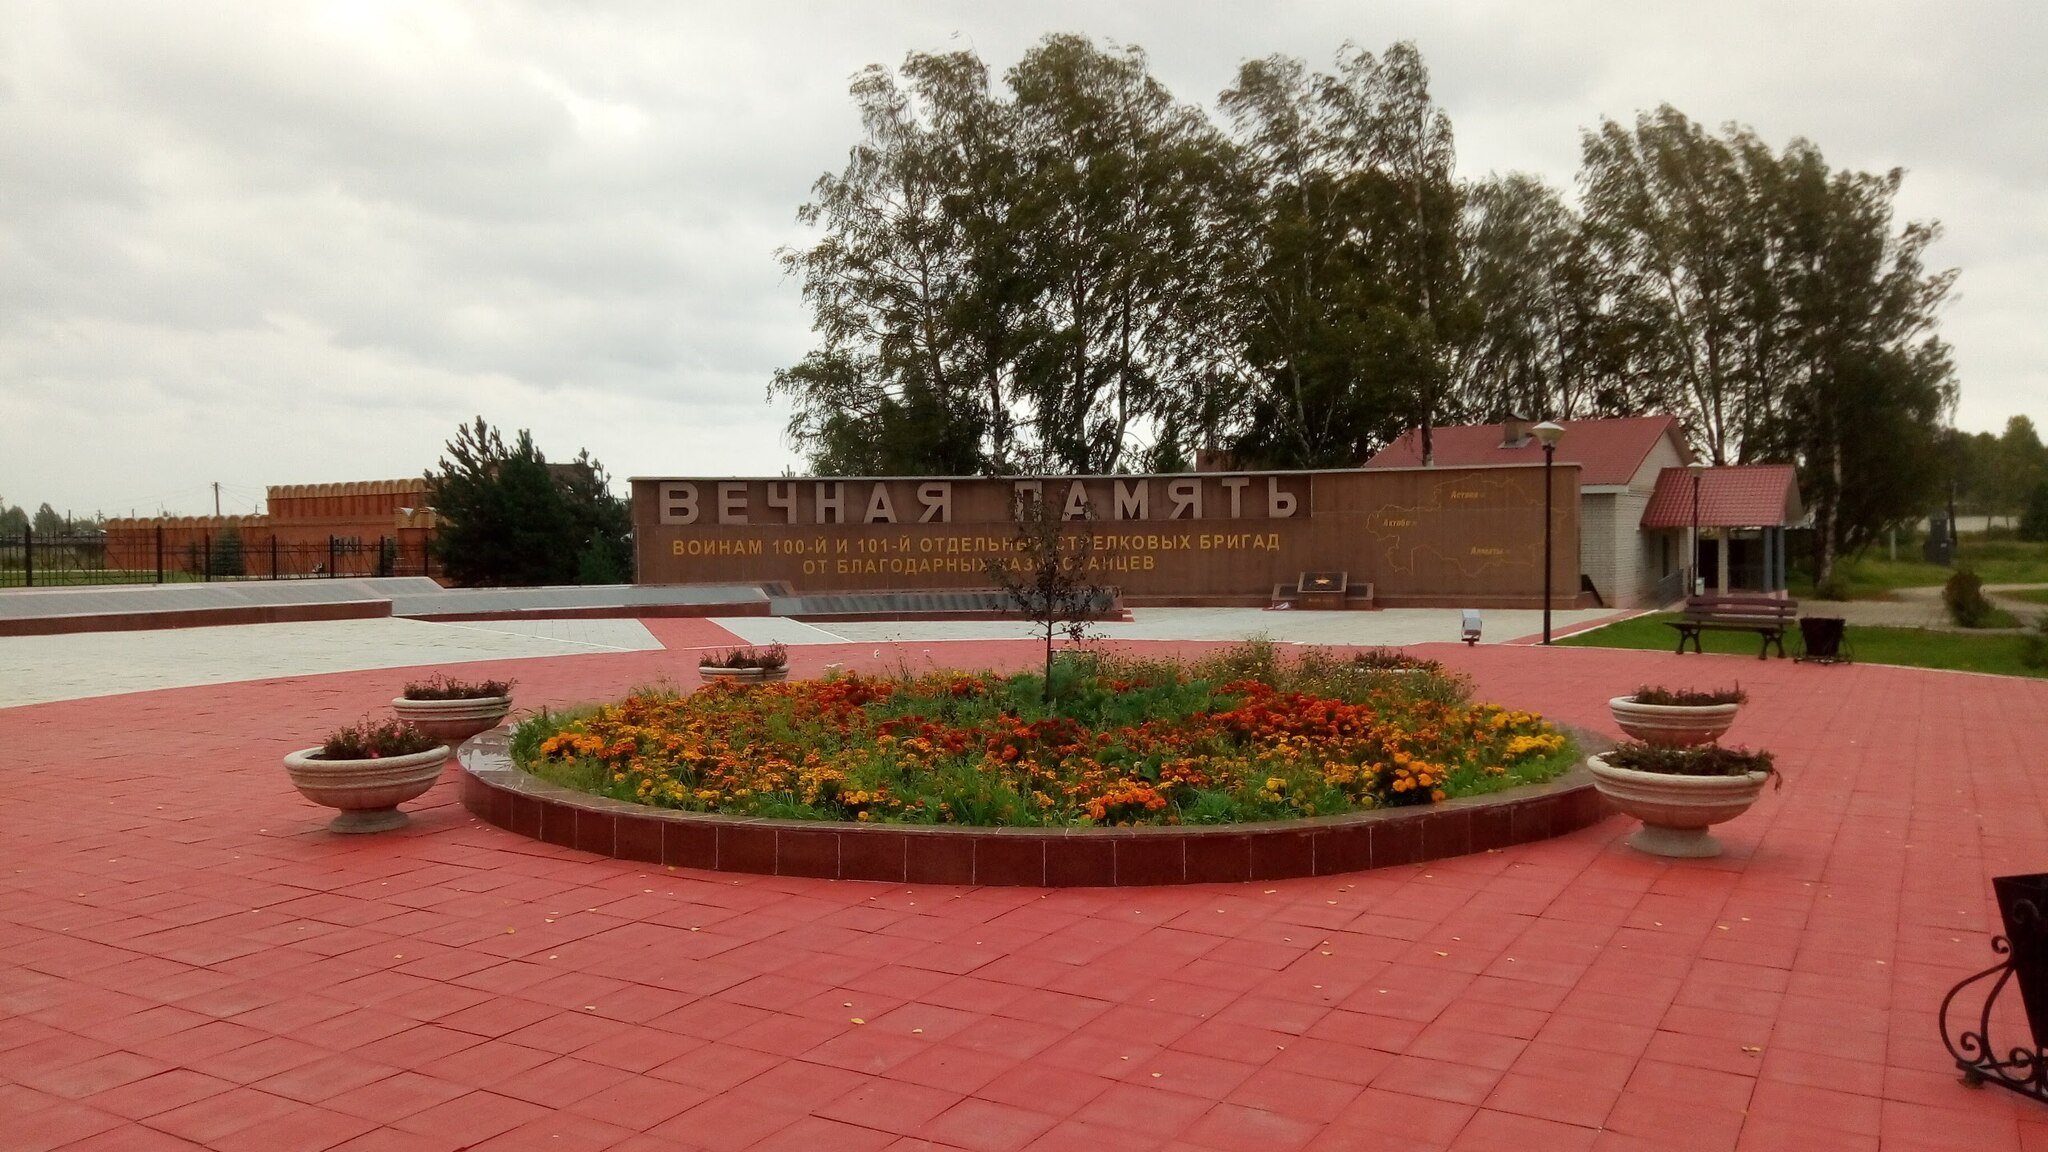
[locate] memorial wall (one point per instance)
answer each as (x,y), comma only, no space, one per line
(1445,536)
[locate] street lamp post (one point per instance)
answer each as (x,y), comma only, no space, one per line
(1692,564)
(1550,433)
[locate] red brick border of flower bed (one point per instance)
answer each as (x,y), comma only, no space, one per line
(497,791)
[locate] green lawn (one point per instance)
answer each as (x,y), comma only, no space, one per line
(2031,595)
(1911,647)
(1871,576)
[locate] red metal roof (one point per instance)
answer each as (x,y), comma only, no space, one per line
(1736,496)
(1608,452)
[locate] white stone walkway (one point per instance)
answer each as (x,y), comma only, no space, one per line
(1393,626)
(35,669)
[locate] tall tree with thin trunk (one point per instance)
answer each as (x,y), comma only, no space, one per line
(911,289)
(1346,266)
(1115,239)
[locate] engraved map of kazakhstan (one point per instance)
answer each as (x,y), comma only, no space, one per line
(1394,527)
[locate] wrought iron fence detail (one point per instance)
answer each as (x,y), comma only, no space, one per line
(2021,1068)
(31,560)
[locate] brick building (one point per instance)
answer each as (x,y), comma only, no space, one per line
(358,528)
(1620,461)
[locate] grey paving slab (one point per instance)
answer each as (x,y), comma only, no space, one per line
(601,634)
(34,669)
(461,600)
(17,603)
(778,630)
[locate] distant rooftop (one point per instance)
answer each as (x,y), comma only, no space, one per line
(1608,452)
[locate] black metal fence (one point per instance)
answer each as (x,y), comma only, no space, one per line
(54,561)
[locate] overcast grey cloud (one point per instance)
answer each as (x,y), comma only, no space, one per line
(282,242)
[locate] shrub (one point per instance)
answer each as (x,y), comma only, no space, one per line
(440,686)
(1700,760)
(2034,521)
(228,557)
(1964,595)
(2034,645)
(1835,587)
(773,656)
(369,739)
(1688,697)
(1393,659)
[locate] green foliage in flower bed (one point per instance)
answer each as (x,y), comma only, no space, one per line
(1245,735)
(1689,697)
(441,686)
(1701,760)
(772,657)
(370,739)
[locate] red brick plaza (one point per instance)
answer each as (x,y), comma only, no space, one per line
(187,960)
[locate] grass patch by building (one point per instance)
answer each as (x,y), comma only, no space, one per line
(1999,653)
(1872,576)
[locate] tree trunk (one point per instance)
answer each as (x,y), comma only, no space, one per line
(1830,516)
(1045,691)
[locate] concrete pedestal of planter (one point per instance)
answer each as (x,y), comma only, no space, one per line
(1676,811)
(453,721)
(368,792)
(743,675)
(1672,725)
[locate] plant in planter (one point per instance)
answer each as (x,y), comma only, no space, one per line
(453,710)
(1678,793)
(1677,717)
(367,770)
(746,665)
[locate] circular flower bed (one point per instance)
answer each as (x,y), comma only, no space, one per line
(1242,737)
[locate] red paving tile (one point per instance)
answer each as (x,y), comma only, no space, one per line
(200,965)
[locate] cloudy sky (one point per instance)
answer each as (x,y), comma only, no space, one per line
(280,242)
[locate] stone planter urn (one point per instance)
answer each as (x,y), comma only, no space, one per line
(368,792)
(1676,811)
(1672,725)
(743,675)
(453,721)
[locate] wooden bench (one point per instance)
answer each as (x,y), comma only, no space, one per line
(1767,616)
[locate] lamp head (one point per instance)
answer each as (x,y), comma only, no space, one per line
(1548,432)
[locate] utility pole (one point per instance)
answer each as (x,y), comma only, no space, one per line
(216,499)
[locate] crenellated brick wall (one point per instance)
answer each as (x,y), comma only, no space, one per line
(302,519)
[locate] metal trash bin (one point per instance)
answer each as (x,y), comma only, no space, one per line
(1821,637)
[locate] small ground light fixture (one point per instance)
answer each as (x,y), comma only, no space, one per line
(1470,632)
